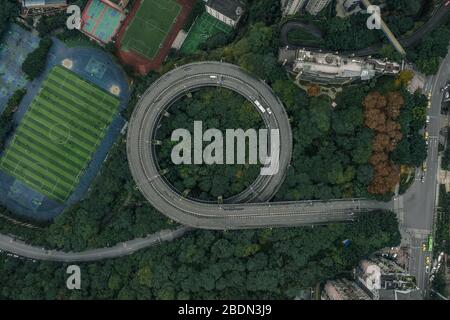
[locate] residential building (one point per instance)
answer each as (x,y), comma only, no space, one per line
(343,289)
(377,278)
(382,278)
(290,7)
(227,11)
(315,6)
(329,68)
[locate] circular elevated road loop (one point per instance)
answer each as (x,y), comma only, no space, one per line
(251,208)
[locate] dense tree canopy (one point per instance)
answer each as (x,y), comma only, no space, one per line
(9,9)
(431,49)
(397,140)
(6,118)
(331,146)
(36,61)
(253,264)
(350,33)
(216,108)
(412,149)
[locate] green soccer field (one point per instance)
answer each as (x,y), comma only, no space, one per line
(204,27)
(146,33)
(58,135)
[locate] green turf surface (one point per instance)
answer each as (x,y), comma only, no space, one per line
(59,134)
(204,27)
(149,28)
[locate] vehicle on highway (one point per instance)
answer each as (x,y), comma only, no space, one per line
(430,243)
(269,111)
(424,167)
(428,119)
(422,178)
(429,104)
(427,269)
(428,261)
(446,87)
(447,96)
(426,136)
(424,247)
(260,107)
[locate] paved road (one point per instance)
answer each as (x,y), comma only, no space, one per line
(9,244)
(250,209)
(440,16)
(419,202)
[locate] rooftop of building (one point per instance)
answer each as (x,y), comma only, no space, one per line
(329,65)
(332,65)
(233,9)
(35,3)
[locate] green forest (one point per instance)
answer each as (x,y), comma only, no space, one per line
(216,108)
(253,264)
(9,9)
(428,53)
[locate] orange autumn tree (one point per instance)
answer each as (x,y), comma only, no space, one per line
(381,113)
(313,90)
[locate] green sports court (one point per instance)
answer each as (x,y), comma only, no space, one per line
(204,27)
(149,28)
(58,135)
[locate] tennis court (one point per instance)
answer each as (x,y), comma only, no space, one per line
(56,139)
(204,27)
(101,21)
(150,27)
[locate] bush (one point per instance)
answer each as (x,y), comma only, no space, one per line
(35,62)
(6,119)
(217,41)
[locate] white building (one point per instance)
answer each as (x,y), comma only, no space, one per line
(290,7)
(32,4)
(315,6)
(328,68)
(371,275)
(227,11)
